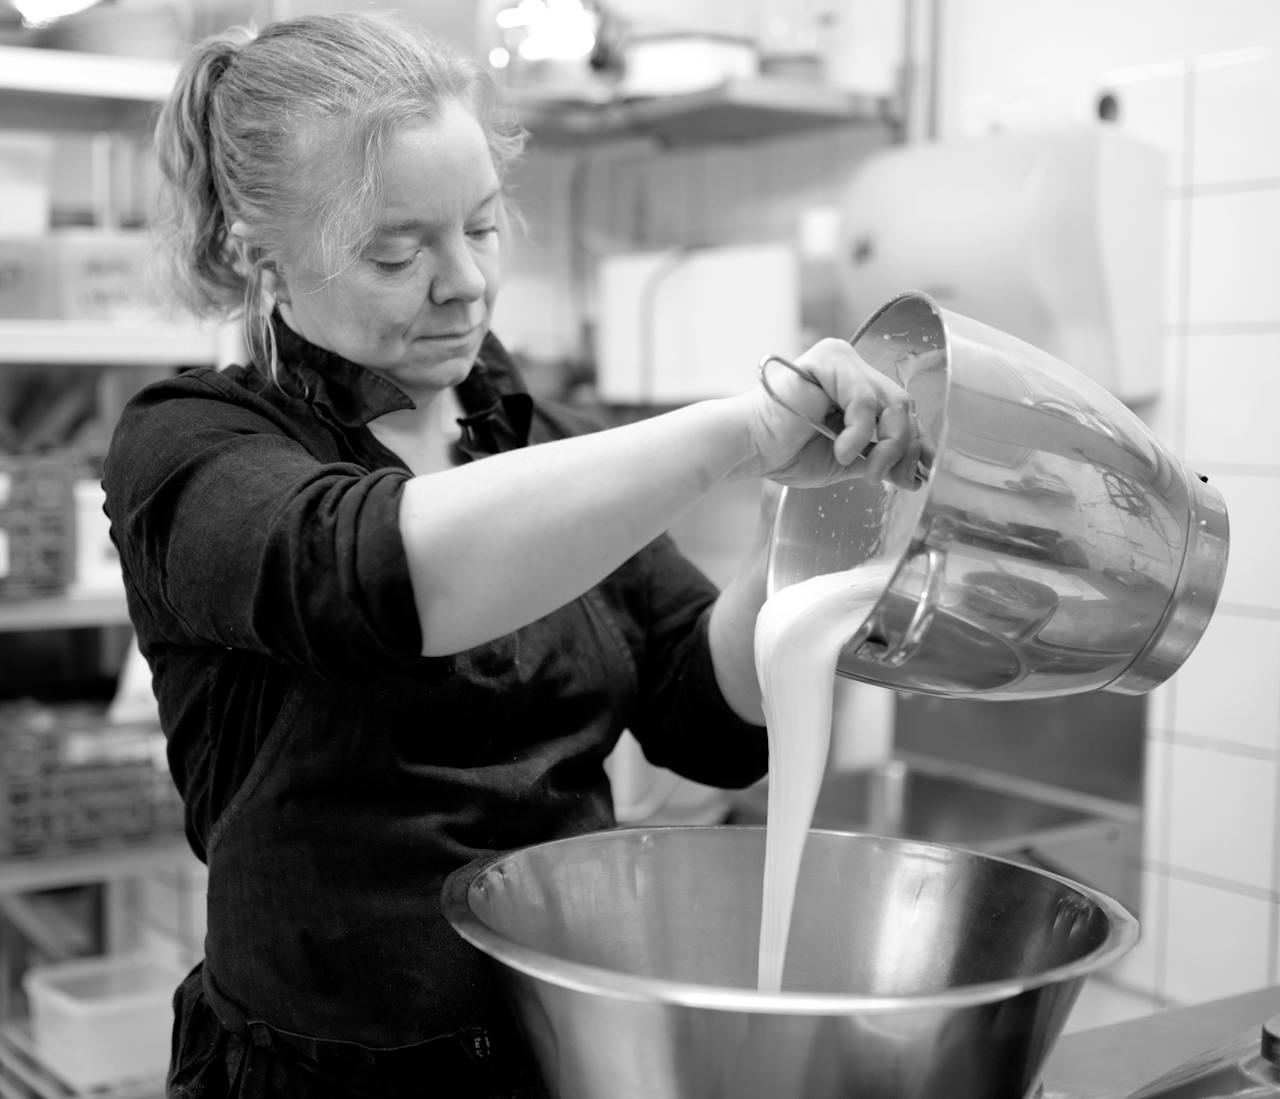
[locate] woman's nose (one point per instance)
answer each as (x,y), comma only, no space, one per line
(458,277)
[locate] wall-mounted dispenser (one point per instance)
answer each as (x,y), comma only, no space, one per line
(1054,236)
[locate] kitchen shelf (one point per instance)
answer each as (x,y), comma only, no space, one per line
(107,343)
(58,871)
(64,612)
(736,111)
(69,90)
(76,75)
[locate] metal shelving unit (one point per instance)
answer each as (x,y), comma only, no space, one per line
(736,111)
(108,865)
(60,89)
(106,343)
(65,612)
(78,93)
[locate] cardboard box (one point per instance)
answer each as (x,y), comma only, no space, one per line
(77,274)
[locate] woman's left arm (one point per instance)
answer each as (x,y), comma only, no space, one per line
(732,630)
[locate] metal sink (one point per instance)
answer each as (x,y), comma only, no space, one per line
(917,797)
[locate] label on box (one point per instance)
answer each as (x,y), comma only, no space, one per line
(106,284)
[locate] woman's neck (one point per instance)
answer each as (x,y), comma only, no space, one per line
(423,437)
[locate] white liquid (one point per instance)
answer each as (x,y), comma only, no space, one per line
(799,634)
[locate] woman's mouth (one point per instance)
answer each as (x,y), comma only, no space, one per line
(462,336)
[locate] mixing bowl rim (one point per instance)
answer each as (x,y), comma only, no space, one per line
(1121,936)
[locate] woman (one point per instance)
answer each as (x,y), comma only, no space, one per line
(397,613)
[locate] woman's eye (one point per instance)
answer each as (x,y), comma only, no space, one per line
(482,231)
(390,267)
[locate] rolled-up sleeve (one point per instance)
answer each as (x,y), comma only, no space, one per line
(232,532)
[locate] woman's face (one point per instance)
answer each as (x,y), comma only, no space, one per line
(416,304)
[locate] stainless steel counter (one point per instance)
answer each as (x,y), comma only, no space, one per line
(1113,1061)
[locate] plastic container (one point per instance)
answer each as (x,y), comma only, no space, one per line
(104,1020)
(97,563)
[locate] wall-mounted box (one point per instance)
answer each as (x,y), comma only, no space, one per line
(687,324)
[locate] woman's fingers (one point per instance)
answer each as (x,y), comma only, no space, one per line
(895,436)
(861,417)
(873,416)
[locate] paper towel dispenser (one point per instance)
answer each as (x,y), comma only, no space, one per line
(1056,236)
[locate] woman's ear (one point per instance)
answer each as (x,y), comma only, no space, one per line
(250,264)
(241,247)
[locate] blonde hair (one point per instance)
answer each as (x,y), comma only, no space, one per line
(258,117)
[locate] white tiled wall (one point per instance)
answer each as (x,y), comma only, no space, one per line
(1203,82)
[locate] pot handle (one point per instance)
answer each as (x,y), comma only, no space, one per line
(894,655)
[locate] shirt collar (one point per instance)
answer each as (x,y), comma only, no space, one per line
(497,408)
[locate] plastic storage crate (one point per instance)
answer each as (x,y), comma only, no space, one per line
(37,523)
(101,1021)
(71,782)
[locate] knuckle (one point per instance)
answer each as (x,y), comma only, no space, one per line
(902,402)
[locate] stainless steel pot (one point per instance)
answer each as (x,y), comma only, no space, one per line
(1057,547)
(915,970)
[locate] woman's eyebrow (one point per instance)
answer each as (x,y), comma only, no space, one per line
(417,225)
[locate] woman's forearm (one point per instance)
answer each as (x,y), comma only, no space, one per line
(498,543)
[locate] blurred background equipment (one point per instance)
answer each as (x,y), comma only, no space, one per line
(1054,235)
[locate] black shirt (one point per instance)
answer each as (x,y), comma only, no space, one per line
(333,776)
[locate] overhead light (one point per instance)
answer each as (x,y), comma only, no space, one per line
(549,30)
(40,13)
(524,14)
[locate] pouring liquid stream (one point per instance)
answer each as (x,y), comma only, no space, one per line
(800,631)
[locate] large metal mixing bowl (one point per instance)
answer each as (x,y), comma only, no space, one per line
(915,971)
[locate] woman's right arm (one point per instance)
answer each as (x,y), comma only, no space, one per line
(231,533)
(498,543)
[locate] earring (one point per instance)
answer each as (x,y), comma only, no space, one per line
(273,290)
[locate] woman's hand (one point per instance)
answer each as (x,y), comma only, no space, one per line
(858,402)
